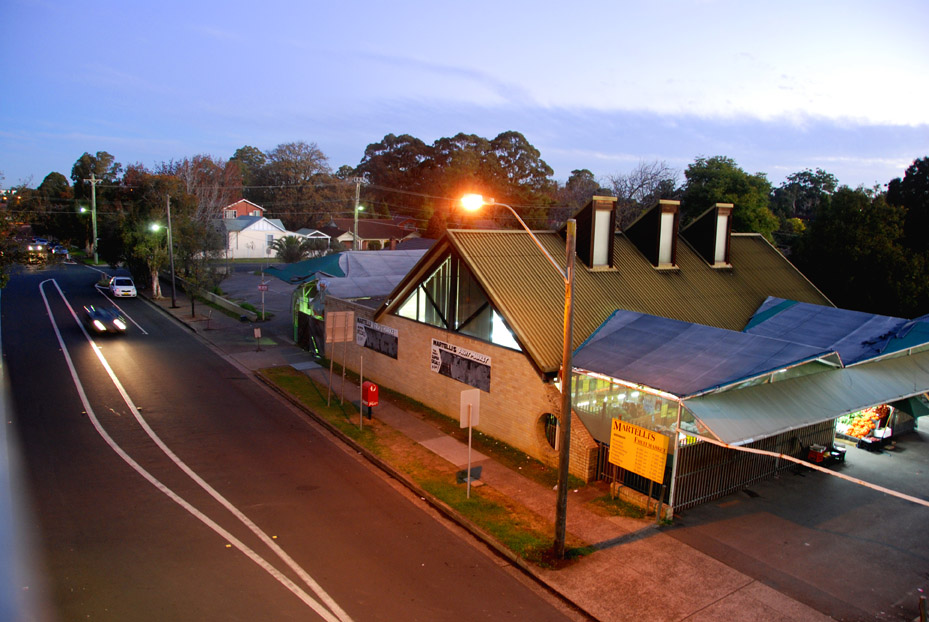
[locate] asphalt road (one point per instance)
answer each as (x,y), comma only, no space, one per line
(848,551)
(174,487)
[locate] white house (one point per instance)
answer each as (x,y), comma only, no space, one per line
(251,237)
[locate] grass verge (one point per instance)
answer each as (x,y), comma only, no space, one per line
(515,527)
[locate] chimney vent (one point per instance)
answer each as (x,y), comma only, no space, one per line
(710,235)
(655,233)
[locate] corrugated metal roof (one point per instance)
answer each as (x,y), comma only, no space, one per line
(855,335)
(764,410)
(682,358)
(525,288)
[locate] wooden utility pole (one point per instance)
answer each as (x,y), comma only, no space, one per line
(93,210)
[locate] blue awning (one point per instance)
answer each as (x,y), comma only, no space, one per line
(855,335)
(686,359)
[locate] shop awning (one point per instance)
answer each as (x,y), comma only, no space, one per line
(855,335)
(751,413)
(683,358)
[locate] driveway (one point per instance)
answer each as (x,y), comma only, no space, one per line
(848,551)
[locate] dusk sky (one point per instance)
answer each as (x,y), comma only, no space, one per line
(603,85)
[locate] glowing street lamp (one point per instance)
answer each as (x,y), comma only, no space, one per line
(155,227)
(473,202)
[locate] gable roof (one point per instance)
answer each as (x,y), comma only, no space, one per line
(524,287)
(374,229)
(245,222)
(255,205)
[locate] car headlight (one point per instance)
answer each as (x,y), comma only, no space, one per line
(118,323)
(99,325)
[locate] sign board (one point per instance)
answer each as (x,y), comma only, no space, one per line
(376,337)
(339,326)
(472,398)
(463,365)
(262,287)
(639,450)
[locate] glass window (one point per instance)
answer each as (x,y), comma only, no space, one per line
(452,299)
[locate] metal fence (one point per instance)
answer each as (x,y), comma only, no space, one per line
(706,471)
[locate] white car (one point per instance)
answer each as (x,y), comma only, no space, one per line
(122,287)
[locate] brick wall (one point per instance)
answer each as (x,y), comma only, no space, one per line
(511,411)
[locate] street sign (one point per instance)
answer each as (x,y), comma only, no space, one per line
(262,287)
(470,408)
(340,326)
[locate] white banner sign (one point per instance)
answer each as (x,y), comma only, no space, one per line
(471,368)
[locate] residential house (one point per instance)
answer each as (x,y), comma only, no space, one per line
(251,237)
(383,233)
(242,207)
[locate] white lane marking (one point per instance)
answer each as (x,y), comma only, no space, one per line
(341,615)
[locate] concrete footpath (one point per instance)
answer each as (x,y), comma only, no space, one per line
(637,572)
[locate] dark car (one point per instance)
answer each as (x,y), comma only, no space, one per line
(103,320)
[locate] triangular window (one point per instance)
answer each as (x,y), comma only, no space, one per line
(452,299)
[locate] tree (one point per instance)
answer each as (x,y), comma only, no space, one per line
(641,188)
(524,175)
(250,161)
(101,166)
(426,179)
(720,180)
(147,249)
(292,248)
(216,184)
(852,252)
(198,247)
(801,195)
(297,185)
(395,163)
(912,192)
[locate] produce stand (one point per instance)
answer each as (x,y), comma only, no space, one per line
(869,429)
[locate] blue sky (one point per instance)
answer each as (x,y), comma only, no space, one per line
(777,86)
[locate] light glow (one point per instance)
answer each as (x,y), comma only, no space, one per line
(472,202)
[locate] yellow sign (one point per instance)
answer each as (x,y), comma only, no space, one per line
(639,450)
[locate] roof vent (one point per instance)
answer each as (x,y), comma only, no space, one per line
(596,223)
(655,233)
(711,233)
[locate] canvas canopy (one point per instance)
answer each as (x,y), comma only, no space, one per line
(746,386)
(856,336)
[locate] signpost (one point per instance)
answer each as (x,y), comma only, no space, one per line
(470,416)
(263,287)
(339,328)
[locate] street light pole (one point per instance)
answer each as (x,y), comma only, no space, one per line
(93,210)
(472,202)
(171,253)
(357,181)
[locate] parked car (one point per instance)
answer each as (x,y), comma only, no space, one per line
(104,320)
(122,287)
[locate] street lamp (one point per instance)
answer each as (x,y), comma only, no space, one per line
(156,227)
(472,202)
(93,220)
(357,181)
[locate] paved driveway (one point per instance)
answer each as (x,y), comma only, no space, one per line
(848,551)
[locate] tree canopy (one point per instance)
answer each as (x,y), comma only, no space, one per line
(720,180)
(866,240)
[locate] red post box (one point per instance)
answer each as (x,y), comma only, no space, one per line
(368,394)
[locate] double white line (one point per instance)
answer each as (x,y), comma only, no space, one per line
(334,613)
